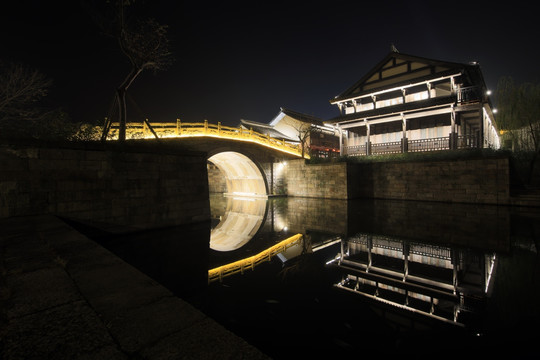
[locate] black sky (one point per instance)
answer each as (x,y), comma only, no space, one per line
(244,60)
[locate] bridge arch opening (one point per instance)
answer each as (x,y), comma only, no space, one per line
(242,176)
(245,182)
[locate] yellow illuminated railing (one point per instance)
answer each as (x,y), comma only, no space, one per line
(179,129)
(206,129)
(249,263)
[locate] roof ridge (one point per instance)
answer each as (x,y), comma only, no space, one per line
(390,55)
(293,113)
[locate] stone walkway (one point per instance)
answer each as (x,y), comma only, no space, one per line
(62,296)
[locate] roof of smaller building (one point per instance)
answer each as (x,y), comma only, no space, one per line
(265,129)
(310,119)
(305,118)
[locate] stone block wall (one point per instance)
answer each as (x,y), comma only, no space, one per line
(128,188)
(274,173)
(216,180)
(317,180)
(479,181)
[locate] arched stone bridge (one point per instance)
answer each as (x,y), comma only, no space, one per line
(250,162)
(249,169)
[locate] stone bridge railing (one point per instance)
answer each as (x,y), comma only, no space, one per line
(178,129)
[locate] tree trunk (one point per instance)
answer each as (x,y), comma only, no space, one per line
(122,113)
(122,109)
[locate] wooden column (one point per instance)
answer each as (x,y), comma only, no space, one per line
(455,269)
(369,248)
(368,140)
(340,140)
(405,260)
(404,140)
(482,128)
(453,135)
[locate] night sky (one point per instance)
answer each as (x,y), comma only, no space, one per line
(245,60)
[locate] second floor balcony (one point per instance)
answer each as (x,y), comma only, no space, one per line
(401,100)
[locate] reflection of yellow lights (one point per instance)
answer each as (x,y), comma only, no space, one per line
(280,223)
(249,263)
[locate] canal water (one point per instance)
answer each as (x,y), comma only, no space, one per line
(367,277)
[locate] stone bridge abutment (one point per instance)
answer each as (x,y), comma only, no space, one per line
(142,184)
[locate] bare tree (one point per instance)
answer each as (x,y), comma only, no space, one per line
(519,113)
(518,116)
(143,42)
(303,132)
(22,114)
(21,89)
(306,134)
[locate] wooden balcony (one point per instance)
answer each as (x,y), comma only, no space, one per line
(420,145)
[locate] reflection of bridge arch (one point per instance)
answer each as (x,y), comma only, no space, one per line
(242,219)
(242,175)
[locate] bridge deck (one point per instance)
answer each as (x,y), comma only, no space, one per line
(177,129)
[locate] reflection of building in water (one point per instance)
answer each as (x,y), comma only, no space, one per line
(434,281)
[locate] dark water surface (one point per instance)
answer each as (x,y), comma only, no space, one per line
(370,277)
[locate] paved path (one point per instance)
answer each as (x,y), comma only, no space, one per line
(62,296)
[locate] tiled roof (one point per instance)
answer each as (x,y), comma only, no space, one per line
(472,70)
(302,117)
(266,130)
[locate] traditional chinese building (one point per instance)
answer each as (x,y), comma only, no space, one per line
(410,104)
(317,139)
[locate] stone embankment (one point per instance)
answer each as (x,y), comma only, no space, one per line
(478,181)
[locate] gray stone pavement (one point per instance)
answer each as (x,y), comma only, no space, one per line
(62,296)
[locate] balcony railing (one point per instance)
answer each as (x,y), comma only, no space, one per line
(419,145)
(469,94)
(467,142)
(355,150)
(393,147)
